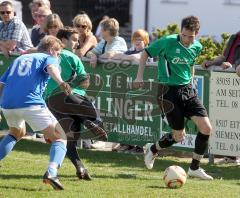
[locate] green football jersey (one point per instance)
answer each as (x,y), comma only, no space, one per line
(70,63)
(175,60)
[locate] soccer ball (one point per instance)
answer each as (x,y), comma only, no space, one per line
(174,176)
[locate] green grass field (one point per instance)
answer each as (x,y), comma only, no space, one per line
(114,175)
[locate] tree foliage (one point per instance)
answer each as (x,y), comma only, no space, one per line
(211,48)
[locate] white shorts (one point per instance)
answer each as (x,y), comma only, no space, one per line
(37,117)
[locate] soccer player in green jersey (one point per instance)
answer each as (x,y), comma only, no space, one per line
(75,109)
(177,54)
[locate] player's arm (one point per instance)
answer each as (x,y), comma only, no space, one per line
(85,83)
(54,72)
(138,82)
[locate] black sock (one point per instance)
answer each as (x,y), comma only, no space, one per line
(165,141)
(73,154)
(201,144)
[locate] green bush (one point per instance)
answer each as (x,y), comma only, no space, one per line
(211,48)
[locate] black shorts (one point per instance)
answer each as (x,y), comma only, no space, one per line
(71,111)
(178,102)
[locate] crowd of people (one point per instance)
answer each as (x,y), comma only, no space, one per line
(65,107)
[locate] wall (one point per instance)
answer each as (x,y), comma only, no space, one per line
(216,16)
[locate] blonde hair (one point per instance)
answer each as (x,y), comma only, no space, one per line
(52,19)
(142,34)
(111,25)
(82,19)
(48,42)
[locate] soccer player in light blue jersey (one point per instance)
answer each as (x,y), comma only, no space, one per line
(21,88)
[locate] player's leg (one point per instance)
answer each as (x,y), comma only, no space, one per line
(41,119)
(72,152)
(55,134)
(17,130)
(173,111)
(195,110)
(90,116)
(201,144)
(68,112)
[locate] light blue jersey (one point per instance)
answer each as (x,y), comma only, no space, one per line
(25,81)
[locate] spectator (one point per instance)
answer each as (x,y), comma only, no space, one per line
(140,40)
(98,30)
(230,58)
(34,5)
(38,31)
(52,24)
(13,33)
(110,44)
(87,40)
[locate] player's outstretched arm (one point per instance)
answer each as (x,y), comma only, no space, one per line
(54,72)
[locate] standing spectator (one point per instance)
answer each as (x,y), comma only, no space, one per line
(230,58)
(13,33)
(87,40)
(21,88)
(37,32)
(110,44)
(177,55)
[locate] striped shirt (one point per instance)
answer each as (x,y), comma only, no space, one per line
(16,30)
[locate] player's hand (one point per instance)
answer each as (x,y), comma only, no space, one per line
(226,65)
(66,88)
(206,64)
(137,83)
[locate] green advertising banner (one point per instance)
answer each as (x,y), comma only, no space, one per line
(131,116)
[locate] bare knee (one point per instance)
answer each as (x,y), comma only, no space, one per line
(54,133)
(179,135)
(206,129)
(17,133)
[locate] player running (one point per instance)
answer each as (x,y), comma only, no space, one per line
(21,87)
(176,96)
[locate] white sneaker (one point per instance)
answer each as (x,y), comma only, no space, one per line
(199,173)
(149,156)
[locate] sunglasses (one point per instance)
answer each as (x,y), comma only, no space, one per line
(5,12)
(81,26)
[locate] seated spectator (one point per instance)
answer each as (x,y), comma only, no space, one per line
(34,5)
(110,44)
(52,24)
(13,33)
(140,40)
(37,32)
(87,40)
